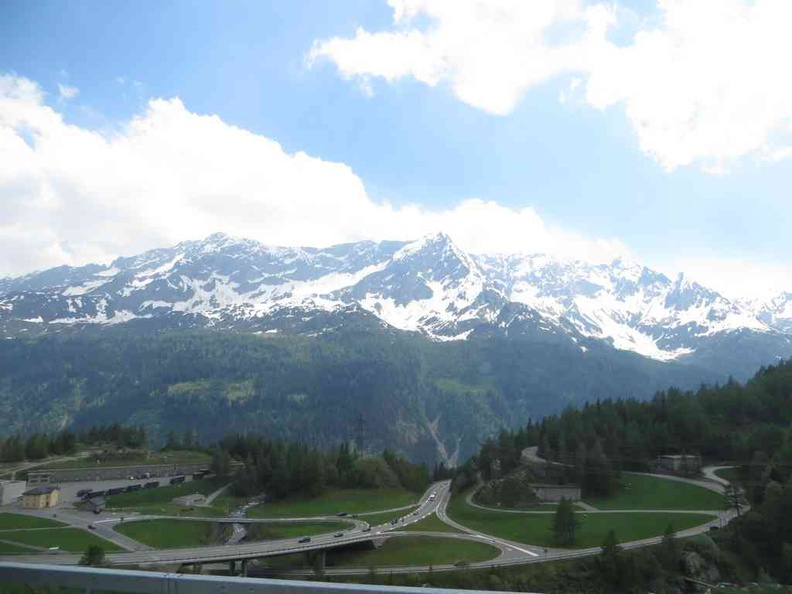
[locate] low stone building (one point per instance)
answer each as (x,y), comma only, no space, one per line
(555,493)
(96,505)
(190,500)
(680,463)
(41,497)
(10,491)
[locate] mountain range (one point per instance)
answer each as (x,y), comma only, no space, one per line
(429,287)
(417,346)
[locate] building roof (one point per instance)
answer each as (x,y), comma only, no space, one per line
(44,490)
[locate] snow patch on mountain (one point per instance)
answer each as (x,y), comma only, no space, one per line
(428,286)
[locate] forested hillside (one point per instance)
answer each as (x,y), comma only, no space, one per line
(730,422)
(432,401)
(747,425)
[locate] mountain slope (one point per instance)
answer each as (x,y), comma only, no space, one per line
(432,400)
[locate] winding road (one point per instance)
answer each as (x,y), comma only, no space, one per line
(434,501)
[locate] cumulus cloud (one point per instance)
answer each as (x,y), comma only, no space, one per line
(73,195)
(66,92)
(700,82)
(736,278)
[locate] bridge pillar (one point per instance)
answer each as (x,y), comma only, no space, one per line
(244,567)
(232,568)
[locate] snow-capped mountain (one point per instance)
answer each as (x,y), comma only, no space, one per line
(428,286)
(775,312)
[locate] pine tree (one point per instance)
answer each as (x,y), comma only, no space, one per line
(565,523)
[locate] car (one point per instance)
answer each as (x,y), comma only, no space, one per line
(91,527)
(83,492)
(394,521)
(338,534)
(341,514)
(366,529)
(461,564)
(304,539)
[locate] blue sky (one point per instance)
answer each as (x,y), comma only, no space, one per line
(580,163)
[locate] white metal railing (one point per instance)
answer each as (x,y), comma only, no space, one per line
(94,580)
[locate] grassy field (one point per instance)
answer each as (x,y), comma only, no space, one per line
(9,549)
(171,509)
(17,521)
(277,531)
(729,474)
(112,459)
(376,519)
(160,495)
(73,540)
(333,501)
(173,534)
(419,550)
(534,528)
(648,492)
(429,524)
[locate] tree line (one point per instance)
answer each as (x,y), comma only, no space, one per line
(37,446)
(281,470)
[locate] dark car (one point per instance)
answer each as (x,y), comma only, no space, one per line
(337,534)
(83,492)
(341,514)
(304,539)
(91,527)
(366,529)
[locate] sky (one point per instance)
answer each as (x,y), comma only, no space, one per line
(659,131)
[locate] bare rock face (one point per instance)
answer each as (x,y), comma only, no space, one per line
(696,567)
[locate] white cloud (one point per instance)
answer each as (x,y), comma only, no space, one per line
(490,52)
(72,195)
(701,82)
(736,278)
(65,92)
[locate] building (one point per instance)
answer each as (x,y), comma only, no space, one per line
(10,491)
(554,493)
(41,497)
(680,463)
(96,505)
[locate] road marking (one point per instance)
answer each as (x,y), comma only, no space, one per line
(527,552)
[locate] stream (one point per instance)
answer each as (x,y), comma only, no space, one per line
(239,530)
